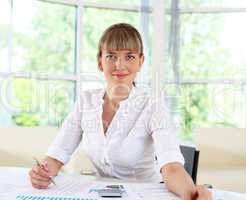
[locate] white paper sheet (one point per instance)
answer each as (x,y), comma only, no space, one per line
(152,191)
(14,182)
(66,186)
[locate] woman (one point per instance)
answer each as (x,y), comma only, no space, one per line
(123,129)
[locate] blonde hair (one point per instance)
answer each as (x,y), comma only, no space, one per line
(120,36)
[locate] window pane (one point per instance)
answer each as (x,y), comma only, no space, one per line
(228,106)
(214,3)
(208,106)
(44,37)
(30,102)
(213,46)
(4,35)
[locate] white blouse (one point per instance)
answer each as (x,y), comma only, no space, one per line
(140,131)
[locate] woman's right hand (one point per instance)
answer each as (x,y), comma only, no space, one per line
(40,176)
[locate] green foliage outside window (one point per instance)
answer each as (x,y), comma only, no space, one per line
(46,48)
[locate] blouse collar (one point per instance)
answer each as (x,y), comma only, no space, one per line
(98,97)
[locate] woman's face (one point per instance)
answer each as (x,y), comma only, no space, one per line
(120,67)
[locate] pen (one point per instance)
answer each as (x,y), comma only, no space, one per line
(38,164)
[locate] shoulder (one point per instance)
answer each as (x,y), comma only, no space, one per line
(88,94)
(91,96)
(158,109)
(156,103)
(143,98)
(149,105)
(90,99)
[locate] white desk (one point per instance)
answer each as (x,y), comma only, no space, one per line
(12,180)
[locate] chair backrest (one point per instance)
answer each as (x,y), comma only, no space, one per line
(191,156)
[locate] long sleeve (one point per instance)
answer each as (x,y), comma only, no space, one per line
(164,134)
(69,136)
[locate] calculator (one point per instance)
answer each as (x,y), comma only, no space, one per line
(110,192)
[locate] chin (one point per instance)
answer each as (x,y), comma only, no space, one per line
(121,84)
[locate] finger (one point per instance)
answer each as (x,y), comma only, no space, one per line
(34,175)
(34,183)
(38,186)
(41,184)
(187,197)
(45,165)
(40,171)
(203,190)
(203,193)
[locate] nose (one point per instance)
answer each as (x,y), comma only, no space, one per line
(118,64)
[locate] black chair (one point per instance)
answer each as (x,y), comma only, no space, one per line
(191,156)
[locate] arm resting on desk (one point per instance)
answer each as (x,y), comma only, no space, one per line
(179,182)
(176,179)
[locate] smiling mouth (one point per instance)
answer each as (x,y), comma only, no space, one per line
(120,76)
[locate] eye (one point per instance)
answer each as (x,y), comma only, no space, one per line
(110,57)
(130,57)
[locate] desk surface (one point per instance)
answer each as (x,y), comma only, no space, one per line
(15,181)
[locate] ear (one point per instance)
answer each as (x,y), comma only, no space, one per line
(100,64)
(141,61)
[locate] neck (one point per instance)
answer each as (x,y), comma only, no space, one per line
(116,94)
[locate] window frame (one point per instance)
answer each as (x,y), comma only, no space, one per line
(76,78)
(158,10)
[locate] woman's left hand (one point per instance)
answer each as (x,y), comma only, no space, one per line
(199,193)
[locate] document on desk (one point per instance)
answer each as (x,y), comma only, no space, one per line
(67,186)
(17,186)
(152,191)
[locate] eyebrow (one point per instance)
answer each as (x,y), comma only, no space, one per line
(129,52)
(110,52)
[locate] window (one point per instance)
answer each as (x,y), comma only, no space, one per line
(43,37)
(37,102)
(37,62)
(47,51)
(48,47)
(214,42)
(210,64)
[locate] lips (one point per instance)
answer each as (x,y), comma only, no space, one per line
(120,75)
